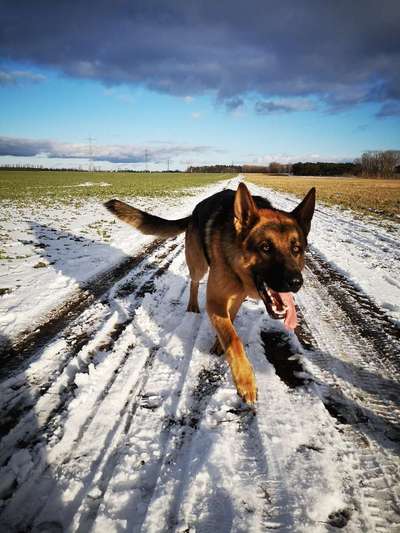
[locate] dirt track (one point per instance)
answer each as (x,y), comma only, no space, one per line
(348,364)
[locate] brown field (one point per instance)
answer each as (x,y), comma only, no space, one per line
(378,197)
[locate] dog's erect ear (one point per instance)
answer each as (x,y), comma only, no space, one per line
(303,213)
(245,210)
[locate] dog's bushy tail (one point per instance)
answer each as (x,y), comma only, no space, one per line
(146,223)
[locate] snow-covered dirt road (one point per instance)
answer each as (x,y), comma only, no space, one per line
(115,416)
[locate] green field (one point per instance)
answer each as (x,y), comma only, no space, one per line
(375,197)
(47,186)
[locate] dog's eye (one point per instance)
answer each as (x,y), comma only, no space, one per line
(296,249)
(266,247)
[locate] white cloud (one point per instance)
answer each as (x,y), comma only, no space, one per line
(17,77)
(284,105)
(295,158)
(113,153)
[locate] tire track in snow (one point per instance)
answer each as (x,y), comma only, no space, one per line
(76,431)
(171,432)
(228,475)
(134,422)
(371,322)
(303,482)
(17,353)
(161,413)
(18,394)
(359,386)
(43,422)
(368,342)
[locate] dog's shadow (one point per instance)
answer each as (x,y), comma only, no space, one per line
(72,255)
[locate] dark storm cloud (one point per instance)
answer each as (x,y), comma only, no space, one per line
(341,52)
(115,153)
(389,109)
(232,104)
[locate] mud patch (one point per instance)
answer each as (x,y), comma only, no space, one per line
(209,380)
(339,519)
(280,352)
(5,290)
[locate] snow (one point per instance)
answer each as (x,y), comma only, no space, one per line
(55,251)
(67,247)
(143,430)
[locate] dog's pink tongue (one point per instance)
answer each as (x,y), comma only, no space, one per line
(291,315)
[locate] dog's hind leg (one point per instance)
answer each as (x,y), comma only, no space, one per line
(197,265)
(193,304)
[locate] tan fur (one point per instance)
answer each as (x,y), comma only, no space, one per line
(232,261)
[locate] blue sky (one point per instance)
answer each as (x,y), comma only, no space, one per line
(193,104)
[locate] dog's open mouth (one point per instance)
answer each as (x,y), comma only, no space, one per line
(272,301)
(278,304)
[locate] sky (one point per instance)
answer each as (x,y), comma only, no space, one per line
(163,84)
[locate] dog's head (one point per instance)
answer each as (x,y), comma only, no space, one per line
(273,243)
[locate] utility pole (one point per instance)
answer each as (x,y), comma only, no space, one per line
(167,165)
(146,154)
(90,140)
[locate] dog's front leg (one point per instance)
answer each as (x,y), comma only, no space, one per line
(242,371)
(234,305)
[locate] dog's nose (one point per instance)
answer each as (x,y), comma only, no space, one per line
(294,281)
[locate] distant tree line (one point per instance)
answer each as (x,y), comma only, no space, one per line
(380,164)
(215,168)
(276,168)
(326,169)
(372,164)
(48,169)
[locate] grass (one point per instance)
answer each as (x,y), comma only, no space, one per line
(380,198)
(375,197)
(47,186)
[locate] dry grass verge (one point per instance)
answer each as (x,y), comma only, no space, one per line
(378,197)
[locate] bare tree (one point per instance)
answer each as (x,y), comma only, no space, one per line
(380,164)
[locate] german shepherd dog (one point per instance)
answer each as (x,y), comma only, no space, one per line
(250,248)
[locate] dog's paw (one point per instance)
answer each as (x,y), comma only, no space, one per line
(217,348)
(247,391)
(245,380)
